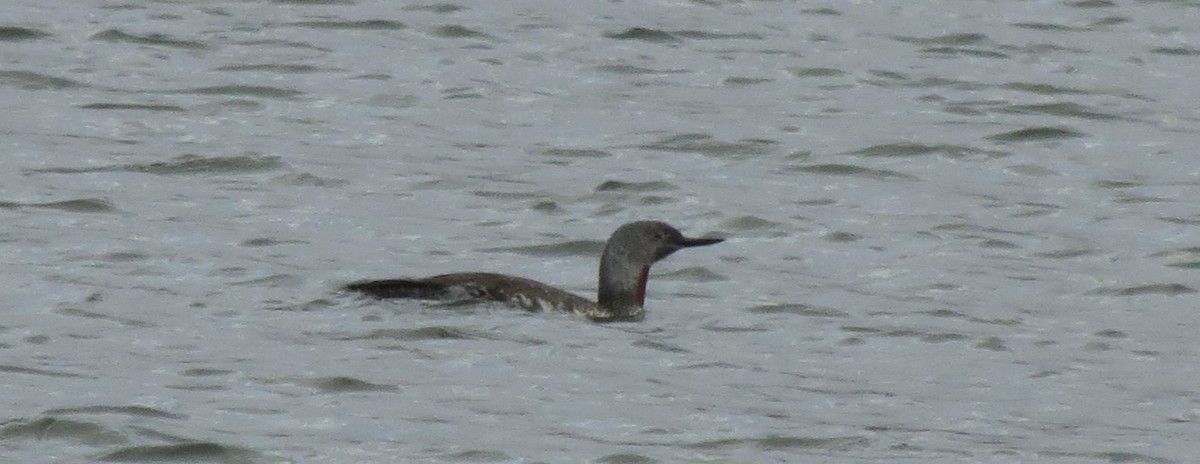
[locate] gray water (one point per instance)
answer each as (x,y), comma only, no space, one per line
(957,231)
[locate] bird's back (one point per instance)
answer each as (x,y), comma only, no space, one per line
(515,291)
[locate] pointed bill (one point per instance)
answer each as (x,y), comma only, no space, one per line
(695,242)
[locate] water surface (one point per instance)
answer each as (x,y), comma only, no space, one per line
(956,232)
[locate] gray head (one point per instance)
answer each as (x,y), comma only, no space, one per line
(626,262)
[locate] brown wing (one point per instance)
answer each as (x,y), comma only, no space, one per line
(514,291)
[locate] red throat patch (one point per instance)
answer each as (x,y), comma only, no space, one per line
(641,291)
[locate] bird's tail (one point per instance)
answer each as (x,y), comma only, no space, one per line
(400,288)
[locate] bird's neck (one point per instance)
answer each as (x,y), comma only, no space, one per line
(622,286)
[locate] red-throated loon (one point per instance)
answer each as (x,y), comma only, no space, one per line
(624,268)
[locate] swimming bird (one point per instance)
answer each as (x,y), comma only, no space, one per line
(624,270)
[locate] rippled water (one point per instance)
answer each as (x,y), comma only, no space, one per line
(957,232)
